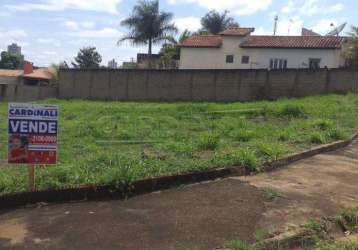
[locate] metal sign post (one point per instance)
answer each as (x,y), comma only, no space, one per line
(31,177)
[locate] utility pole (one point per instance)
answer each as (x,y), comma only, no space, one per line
(275,25)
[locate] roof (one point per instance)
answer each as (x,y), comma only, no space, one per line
(294,42)
(307,32)
(237,31)
(10,73)
(202,41)
(40,74)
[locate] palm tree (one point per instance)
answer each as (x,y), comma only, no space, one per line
(148,25)
(214,22)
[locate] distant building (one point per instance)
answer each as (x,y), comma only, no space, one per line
(14,49)
(112,64)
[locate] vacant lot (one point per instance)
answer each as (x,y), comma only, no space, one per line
(113,142)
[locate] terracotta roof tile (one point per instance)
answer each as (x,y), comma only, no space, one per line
(10,73)
(207,41)
(236,31)
(297,42)
(42,74)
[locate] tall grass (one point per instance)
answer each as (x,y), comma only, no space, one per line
(117,142)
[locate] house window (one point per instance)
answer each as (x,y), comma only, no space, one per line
(314,63)
(245,59)
(229,59)
(277,63)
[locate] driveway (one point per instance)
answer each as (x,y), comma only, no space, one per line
(204,215)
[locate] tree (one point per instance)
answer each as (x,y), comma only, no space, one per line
(352,51)
(171,50)
(214,22)
(148,25)
(87,58)
(9,61)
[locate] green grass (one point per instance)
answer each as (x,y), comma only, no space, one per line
(271,194)
(117,142)
(349,218)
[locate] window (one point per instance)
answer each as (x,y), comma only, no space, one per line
(314,63)
(276,63)
(245,59)
(229,59)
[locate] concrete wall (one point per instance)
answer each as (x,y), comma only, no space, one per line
(23,93)
(202,85)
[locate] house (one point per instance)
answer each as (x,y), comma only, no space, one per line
(27,76)
(236,48)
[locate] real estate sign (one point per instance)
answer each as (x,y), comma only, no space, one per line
(32,133)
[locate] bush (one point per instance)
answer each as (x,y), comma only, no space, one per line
(239,245)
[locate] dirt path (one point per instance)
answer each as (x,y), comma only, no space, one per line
(204,215)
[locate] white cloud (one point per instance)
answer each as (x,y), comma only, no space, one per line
(237,7)
(72,25)
(100,33)
(60,5)
(323,26)
(311,7)
(189,23)
(285,26)
(49,42)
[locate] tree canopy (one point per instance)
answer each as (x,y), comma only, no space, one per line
(352,51)
(215,22)
(148,25)
(9,61)
(87,58)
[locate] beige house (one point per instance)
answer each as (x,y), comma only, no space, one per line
(236,48)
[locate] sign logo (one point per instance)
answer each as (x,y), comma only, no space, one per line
(32,133)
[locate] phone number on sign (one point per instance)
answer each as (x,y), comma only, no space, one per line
(47,139)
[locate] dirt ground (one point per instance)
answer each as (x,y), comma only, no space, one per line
(204,215)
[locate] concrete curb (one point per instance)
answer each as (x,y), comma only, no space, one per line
(122,191)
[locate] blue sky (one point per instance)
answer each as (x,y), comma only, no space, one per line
(51,31)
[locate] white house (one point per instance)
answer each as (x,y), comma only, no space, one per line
(236,48)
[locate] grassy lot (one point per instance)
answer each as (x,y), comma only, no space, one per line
(114,142)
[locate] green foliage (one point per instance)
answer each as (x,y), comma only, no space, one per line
(215,22)
(148,25)
(87,58)
(292,111)
(313,225)
(9,61)
(351,54)
(208,141)
(349,217)
(318,138)
(240,245)
(338,246)
(262,234)
(271,194)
